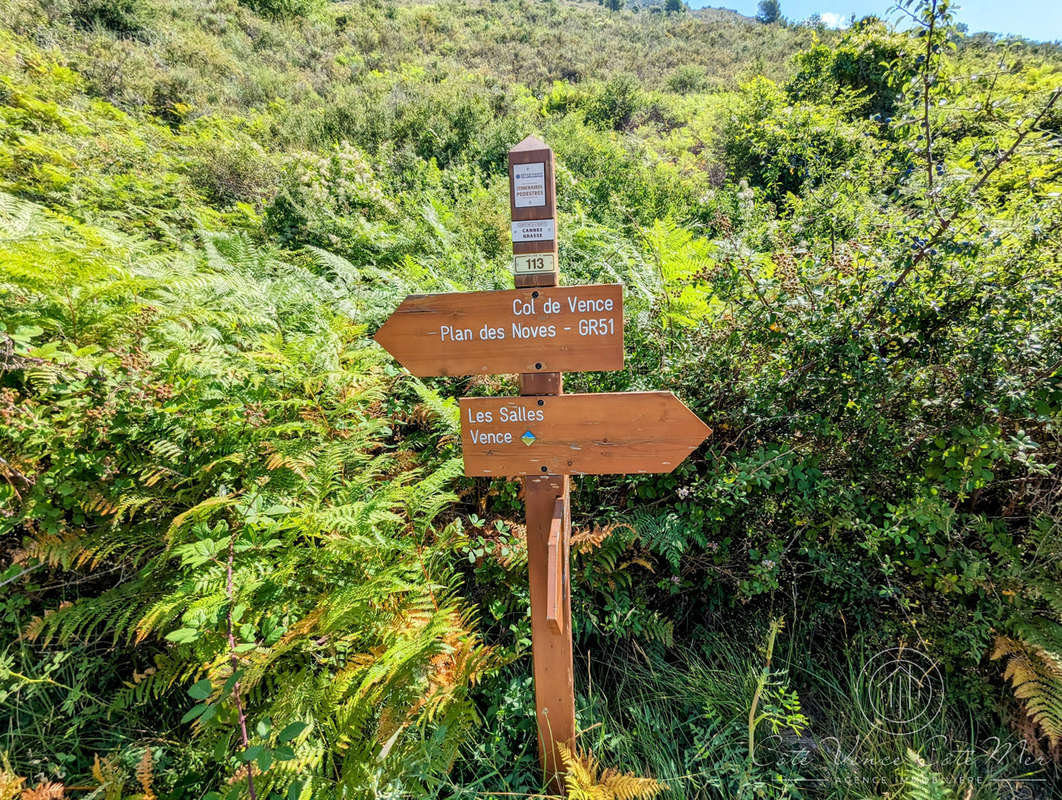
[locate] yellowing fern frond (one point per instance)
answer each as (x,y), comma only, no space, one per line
(1036,675)
(66,549)
(109,777)
(583,781)
(588,541)
(10,783)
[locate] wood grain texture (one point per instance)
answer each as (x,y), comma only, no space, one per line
(578,434)
(541,383)
(425,332)
(551,648)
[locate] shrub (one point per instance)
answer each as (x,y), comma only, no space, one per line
(615,103)
(229,166)
(126,17)
(783,147)
(869,61)
(332,201)
(687,79)
(283,9)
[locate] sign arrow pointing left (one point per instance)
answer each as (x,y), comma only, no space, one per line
(548,329)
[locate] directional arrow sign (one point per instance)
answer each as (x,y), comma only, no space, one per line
(577,434)
(549,329)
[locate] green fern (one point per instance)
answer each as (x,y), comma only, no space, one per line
(241,408)
(921,782)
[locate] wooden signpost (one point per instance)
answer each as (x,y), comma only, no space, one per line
(541,330)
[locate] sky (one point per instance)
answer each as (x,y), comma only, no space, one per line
(1034,19)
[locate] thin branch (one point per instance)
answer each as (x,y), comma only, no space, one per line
(235,662)
(925,95)
(10,472)
(946,223)
(24,572)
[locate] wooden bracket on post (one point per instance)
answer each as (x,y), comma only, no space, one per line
(548,518)
(556,577)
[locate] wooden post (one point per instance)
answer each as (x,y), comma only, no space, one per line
(532,199)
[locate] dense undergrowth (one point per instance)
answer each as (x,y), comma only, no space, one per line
(238,553)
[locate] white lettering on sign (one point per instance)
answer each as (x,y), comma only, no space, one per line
(489,437)
(535,264)
(534,230)
(536,316)
(534,331)
(576,303)
(511,414)
(448,333)
(606,326)
(529,185)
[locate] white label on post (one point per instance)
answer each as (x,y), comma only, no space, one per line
(533,264)
(529,185)
(534,230)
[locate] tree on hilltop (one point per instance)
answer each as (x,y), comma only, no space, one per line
(769,12)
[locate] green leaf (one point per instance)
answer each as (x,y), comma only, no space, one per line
(24,333)
(291,731)
(194,712)
(265,759)
(263,727)
(284,753)
(231,681)
(201,689)
(251,753)
(182,635)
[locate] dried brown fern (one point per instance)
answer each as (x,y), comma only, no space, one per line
(45,791)
(584,780)
(144,775)
(588,541)
(1033,735)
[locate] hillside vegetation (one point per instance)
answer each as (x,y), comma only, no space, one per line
(239,555)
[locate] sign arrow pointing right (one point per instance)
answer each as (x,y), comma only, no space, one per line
(578,434)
